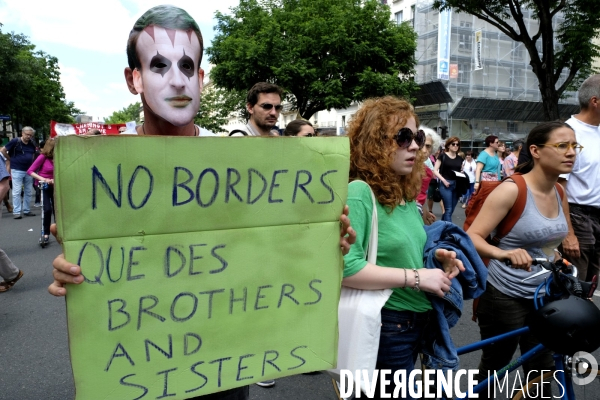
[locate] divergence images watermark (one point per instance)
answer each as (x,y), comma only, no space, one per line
(435,383)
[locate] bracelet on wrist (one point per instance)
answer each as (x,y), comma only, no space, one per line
(417,281)
(405,279)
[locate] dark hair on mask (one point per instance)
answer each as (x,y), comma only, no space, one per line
(165,16)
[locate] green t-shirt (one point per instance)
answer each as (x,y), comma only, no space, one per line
(400,243)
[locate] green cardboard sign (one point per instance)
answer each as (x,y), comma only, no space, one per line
(209,263)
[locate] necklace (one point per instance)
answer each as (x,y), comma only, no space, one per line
(144,129)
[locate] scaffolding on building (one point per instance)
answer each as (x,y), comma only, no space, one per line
(505,79)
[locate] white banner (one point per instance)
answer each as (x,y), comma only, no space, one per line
(478,47)
(444,33)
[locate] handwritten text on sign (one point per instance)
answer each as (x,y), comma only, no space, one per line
(209,263)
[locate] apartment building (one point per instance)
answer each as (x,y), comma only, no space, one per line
(475,80)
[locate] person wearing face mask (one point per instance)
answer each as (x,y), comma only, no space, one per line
(385,156)
(20,154)
(164,52)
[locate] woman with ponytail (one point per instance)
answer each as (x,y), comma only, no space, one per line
(542,226)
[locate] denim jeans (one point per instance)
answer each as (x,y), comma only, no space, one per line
(399,342)
(450,198)
(469,192)
(20,179)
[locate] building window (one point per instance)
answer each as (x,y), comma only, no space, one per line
(464,70)
(412,15)
(465,24)
(398,17)
(511,127)
(343,120)
(433,71)
(465,41)
(433,46)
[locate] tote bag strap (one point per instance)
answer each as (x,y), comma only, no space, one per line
(373,239)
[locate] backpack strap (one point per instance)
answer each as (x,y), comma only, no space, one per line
(560,190)
(516,211)
(233,132)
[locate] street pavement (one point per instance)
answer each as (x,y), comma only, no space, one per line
(34,341)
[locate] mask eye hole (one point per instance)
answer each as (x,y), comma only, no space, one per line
(160,64)
(186,66)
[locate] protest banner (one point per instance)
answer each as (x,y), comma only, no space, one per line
(209,263)
(477,54)
(61,129)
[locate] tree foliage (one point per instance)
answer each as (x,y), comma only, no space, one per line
(218,105)
(325,53)
(127,114)
(560,65)
(30,85)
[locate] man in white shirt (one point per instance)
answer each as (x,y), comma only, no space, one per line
(582,244)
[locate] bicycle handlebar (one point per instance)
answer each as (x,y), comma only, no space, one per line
(564,276)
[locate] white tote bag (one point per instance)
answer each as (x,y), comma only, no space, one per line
(359,317)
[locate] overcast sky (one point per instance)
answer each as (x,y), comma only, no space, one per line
(89,40)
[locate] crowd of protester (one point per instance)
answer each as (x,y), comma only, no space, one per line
(402,164)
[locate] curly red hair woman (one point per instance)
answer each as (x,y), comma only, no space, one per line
(370,162)
(384,144)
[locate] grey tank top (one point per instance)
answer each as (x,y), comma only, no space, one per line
(536,234)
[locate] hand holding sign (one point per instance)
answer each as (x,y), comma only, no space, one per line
(178,254)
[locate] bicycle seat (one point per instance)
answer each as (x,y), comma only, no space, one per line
(567,326)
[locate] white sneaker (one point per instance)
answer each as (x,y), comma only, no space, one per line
(38,205)
(268,383)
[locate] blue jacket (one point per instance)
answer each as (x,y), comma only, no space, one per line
(438,349)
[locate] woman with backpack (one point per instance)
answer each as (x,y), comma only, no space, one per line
(541,227)
(448,164)
(385,160)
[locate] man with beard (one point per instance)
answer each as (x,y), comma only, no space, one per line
(263,103)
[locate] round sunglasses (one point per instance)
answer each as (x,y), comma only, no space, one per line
(405,136)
